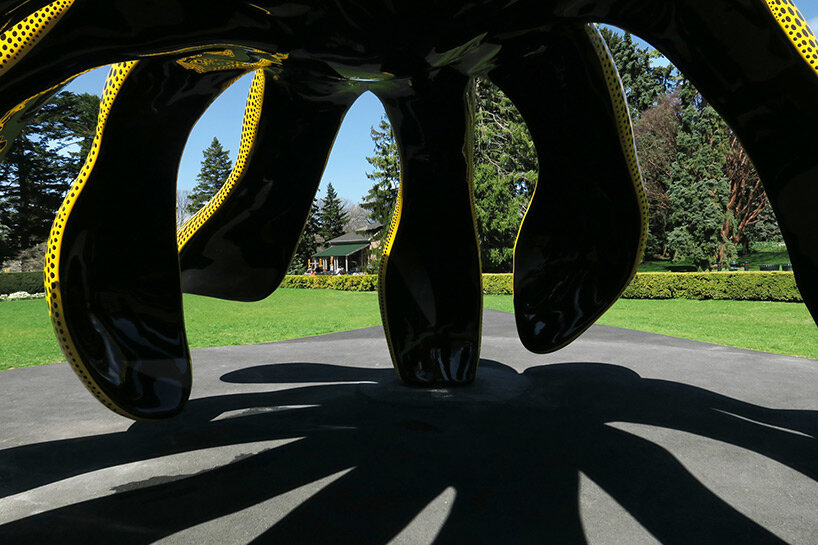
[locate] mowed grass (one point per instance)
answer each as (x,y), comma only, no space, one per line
(781,328)
(26,337)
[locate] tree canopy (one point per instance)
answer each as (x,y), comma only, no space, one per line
(216,167)
(380,201)
(332,217)
(41,165)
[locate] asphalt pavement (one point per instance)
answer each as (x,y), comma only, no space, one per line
(623,437)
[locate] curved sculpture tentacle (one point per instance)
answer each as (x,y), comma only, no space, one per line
(114,292)
(64,39)
(430,283)
(240,244)
(112,272)
(21,31)
(583,235)
(756,62)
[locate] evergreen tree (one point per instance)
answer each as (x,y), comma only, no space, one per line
(381,198)
(308,244)
(655,132)
(698,190)
(642,79)
(332,217)
(43,161)
(505,174)
(216,167)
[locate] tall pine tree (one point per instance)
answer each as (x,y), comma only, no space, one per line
(698,190)
(643,80)
(381,198)
(216,167)
(505,174)
(308,244)
(333,219)
(43,161)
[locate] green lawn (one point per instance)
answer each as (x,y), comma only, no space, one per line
(782,328)
(26,337)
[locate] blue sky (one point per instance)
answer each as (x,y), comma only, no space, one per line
(347,166)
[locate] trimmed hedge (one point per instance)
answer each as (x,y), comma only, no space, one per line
(32,282)
(735,286)
(498,284)
(362,282)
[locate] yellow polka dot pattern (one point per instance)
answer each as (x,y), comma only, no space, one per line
(625,127)
(214,61)
(18,40)
(387,249)
(252,115)
(116,78)
(797,29)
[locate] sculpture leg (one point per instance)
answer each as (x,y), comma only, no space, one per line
(240,244)
(756,63)
(112,272)
(430,286)
(583,234)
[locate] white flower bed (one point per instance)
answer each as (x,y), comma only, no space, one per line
(20,295)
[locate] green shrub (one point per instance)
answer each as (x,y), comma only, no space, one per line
(735,286)
(32,282)
(365,282)
(493,284)
(497,284)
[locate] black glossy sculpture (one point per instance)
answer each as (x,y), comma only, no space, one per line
(114,275)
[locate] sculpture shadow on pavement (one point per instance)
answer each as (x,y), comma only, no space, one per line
(513,462)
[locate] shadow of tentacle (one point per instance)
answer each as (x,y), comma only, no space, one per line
(112,271)
(240,245)
(430,283)
(583,234)
(756,62)
(512,464)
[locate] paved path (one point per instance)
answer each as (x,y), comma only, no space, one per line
(621,438)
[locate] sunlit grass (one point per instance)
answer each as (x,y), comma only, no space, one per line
(782,328)
(26,337)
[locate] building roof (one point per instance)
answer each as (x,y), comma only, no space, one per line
(349,238)
(341,250)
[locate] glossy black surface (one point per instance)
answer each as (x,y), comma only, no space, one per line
(417,56)
(578,245)
(430,287)
(119,272)
(243,251)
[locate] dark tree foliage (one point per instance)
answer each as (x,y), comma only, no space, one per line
(380,201)
(698,189)
(501,139)
(308,244)
(333,219)
(644,81)
(41,165)
(216,167)
(505,174)
(655,132)
(705,198)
